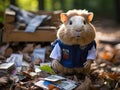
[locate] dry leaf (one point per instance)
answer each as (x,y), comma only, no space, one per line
(109,75)
(106,55)
(85,85)
(3,80)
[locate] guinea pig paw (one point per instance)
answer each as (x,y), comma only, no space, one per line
(85,64)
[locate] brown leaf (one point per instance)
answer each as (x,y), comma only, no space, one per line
(118,89)
(106,55)
(94,87)
(85,85)
(109,75)
(3,80)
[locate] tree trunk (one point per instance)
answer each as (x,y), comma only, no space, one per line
(117,7)
(41,4)
(62,4)
(13,2)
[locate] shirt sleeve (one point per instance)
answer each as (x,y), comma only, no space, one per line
(92,53)
(56,52)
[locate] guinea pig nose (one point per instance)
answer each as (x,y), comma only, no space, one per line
(78,34)
(77,30)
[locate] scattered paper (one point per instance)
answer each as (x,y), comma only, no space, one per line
(54,78)
(41,84)
(39,53)
(16,59)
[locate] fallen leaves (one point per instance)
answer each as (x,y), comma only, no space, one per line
(3,80)
(88,85)
(47,69)
(104,74)
(110,75)
(85,85)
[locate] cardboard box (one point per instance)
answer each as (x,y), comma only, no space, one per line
(45,33)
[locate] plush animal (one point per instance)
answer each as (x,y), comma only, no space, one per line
(75,47)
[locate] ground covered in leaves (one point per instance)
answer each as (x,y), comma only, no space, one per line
(105,71)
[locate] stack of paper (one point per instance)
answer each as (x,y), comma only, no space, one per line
(59,81)
(16,59)
(39,53)
(8,67)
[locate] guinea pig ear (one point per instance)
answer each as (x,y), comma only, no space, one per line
(90,17)
(63,17)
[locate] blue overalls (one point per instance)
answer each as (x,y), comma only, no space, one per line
(74,56)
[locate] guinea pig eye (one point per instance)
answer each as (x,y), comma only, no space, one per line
(70,22)
(84,22)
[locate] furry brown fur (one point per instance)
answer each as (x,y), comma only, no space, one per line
(68,33)
(75,30)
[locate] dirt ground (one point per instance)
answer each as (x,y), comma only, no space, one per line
(107,29)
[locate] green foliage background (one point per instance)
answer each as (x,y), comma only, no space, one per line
(3,6)
(99,7)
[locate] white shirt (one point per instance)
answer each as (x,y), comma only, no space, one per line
(56,53)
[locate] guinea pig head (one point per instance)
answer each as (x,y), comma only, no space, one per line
(76,27)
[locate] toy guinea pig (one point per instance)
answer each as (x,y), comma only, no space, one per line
(75,48)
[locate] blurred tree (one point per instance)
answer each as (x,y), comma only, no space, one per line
(62,2)
(31,5)
(48,6)
(104,8)
(81,4)
(68,5)
(57,5)
(107,8)
(13,2)
(117,9)
(41,4)
(3,5)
